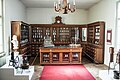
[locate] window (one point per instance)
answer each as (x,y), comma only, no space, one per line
(118,26)
(1,26)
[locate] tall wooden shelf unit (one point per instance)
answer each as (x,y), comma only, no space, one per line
(38,33)
(95,45)
(31,37)
(22,31)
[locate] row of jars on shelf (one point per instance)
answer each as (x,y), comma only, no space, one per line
(48,32)
(35,31)
(37,36)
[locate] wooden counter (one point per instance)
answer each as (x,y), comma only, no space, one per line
(61,55)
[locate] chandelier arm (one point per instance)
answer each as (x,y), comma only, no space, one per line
(57,8)
(73,9)
(68,6)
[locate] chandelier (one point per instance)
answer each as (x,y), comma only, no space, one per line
(64,7)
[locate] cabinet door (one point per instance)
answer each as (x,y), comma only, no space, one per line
(97,35)
(98,55)
(47,31)
(45,58)
(75,35)
(37,34)
(24,39)
(64,34)
(91,35)
(54,34)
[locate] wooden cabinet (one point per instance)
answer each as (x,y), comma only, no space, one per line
(60,55)
(37,35)
(54,34)
(95,45)
(21,30)
(96,33)
(90,36)
(60,34)
(64,34)
(95,53)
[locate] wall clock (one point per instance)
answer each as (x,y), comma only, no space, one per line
(58,19)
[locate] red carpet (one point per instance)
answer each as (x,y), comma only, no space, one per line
(66,72)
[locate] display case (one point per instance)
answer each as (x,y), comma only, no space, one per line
(89,36)
(64,34)
(47,31)
(21,30)
(95,45)
(37,34)
(54,34)
(75,56)
(97,35)
(66,57)
(46,58)
(55,57)
(61,55)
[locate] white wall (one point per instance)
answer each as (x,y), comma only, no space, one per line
(47,15)
(105,11)
(14,10)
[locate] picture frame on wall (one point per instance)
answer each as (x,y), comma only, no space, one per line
(109,36)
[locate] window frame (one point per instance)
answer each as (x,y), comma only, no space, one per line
(2,17)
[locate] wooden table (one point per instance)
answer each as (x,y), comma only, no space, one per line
(61,55)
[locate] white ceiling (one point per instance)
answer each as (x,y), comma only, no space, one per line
(81,4)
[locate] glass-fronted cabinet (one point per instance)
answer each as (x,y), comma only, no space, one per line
(64,34)
(75,35)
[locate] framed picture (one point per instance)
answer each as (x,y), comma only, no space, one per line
(109,36)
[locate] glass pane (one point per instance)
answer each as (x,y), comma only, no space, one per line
(0,7)
(0,21)
(1,33)
(118,23)
(1,39)
(118,10)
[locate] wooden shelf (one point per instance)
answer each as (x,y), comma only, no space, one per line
(95,47)
(22,31)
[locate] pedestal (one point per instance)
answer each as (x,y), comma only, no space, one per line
(10,73)
(103,74)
